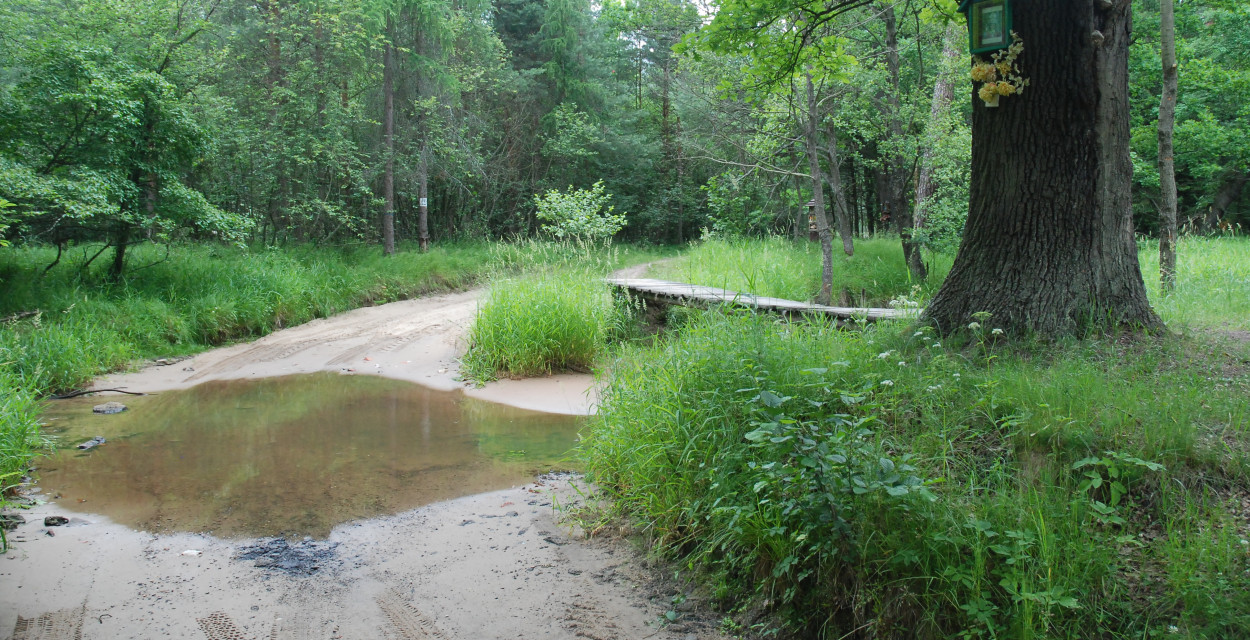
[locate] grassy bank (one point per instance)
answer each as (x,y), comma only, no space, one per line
(69,325)
(890,484)
(782,268)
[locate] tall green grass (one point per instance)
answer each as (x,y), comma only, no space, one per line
(558,315)
(893,484)
(1212,281)
(782,268)
(198,297)
(540,323)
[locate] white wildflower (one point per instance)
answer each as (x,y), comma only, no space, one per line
(996,332)
(974,325)
(887,383)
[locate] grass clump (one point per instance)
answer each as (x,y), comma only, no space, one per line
(557,315)
(783,268)
(891,484)
(537,324)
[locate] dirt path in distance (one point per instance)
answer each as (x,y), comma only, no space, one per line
(420,340)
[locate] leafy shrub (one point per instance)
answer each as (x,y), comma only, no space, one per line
(579,213)
(889,481)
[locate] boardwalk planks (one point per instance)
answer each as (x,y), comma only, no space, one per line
(664,292)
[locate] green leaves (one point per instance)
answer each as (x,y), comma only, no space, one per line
(579,213)
(1105,482)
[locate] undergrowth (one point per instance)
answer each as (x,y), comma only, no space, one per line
(782,268)
(892,484)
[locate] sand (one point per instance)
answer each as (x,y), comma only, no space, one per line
(419,340)
(495,565)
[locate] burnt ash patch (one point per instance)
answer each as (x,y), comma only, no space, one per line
(304,557)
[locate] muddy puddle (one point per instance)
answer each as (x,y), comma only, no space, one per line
(291,456)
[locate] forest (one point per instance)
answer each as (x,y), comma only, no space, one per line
(277,122)
(1055,448)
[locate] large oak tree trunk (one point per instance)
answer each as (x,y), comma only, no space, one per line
(1049,246)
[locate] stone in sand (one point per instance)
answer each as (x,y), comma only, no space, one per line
(109,408)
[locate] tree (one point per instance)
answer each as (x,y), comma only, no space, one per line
(97,141)
(1049,245)
(784,41)
(1167,165)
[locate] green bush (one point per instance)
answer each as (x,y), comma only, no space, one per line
(579,213)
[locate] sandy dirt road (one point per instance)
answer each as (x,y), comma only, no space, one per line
(419,340)
(495,565)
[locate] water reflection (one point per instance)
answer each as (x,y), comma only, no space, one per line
(293,456)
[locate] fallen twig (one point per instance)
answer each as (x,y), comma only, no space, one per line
(86,391)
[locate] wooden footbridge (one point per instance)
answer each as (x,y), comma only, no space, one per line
(664,293)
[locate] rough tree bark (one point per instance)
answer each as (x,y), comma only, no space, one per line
(1167,165)
(818,196)
(1049,247)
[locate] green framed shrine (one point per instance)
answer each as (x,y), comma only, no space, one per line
(989,24)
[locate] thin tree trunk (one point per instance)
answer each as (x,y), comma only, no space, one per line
(423,175)
(800,223)
(121,240)
(818,197)
(388,142)
(1049,246)
(895,169)
(1167,165)
(834,176)
(681,185)
(667,140)
(943,96)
